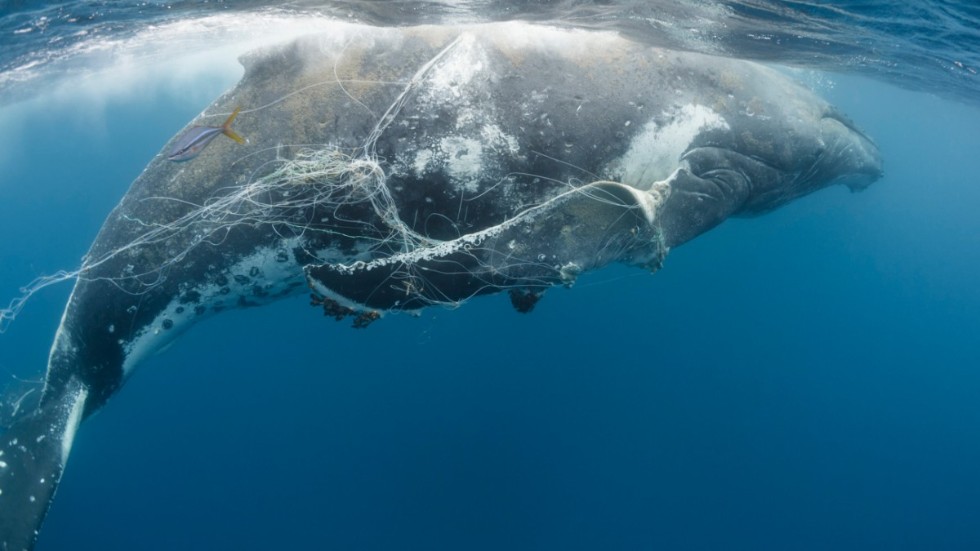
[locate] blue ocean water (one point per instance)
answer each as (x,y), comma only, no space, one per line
(807,379)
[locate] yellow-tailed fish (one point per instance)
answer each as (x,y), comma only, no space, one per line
(196,138)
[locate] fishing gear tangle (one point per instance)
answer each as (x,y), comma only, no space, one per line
(322,195)
(394,169)
(316,192)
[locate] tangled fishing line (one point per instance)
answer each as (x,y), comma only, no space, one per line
(320,190)
(315,183)
(315,179)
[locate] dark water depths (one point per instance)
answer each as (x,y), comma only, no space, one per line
(804,380)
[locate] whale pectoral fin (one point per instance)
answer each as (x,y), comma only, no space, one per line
(32,457)
(544,246)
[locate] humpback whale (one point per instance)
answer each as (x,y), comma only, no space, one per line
(396,169)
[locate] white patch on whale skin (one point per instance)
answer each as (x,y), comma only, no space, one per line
(651,200)
(277,279)
(455,85)
(71,424)
(421,162)
(655,151)
(463,158)
(495,138)
(61,344)
(450,77)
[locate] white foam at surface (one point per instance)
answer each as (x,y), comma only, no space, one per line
(182,48)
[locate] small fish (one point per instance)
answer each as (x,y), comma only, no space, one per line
(192,142)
